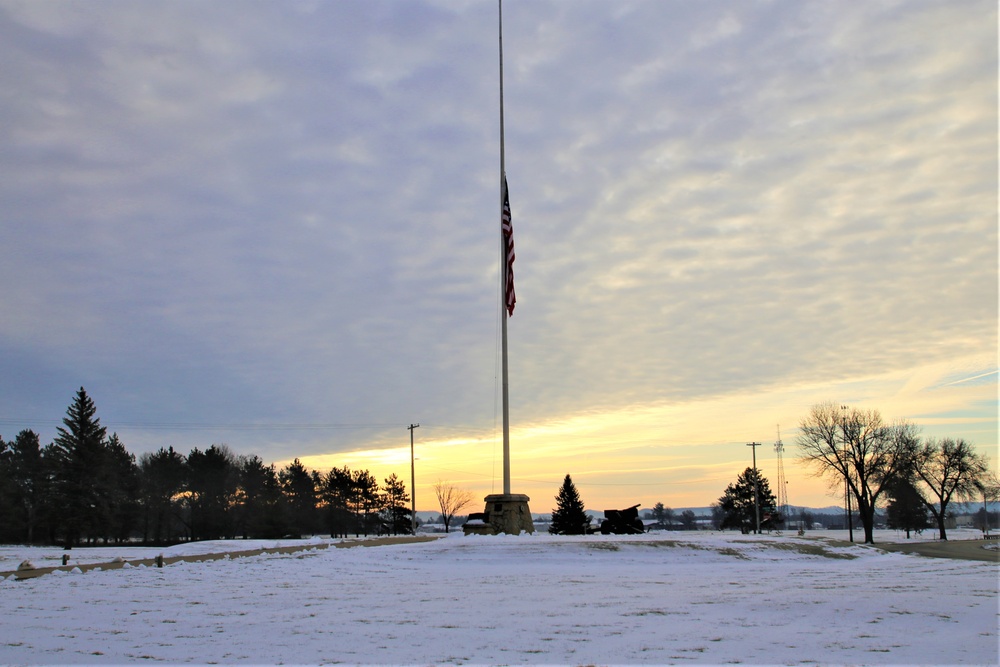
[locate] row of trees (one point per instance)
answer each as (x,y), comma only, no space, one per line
(905,509)
(86,486)
(873,462)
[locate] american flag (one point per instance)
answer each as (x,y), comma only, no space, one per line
(508,238)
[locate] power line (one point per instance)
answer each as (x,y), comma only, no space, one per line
(202,426)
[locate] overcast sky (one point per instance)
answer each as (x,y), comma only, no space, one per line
(275,225)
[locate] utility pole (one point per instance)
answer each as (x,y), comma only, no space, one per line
(413,483)
(986,514)
(847,477)
(756,501)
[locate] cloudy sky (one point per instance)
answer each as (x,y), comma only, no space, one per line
(275,225)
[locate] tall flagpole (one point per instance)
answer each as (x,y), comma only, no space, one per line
(505,512)
(503,272)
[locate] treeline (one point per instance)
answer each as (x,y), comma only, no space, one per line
(85,487)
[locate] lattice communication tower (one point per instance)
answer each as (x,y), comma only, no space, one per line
(782,484)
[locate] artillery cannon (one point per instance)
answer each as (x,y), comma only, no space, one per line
(622,522)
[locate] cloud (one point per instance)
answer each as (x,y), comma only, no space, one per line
(784,203)
(286,213)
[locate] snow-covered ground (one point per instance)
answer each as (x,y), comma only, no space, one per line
(654,599)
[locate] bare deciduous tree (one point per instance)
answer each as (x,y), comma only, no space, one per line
(451,500)
(950,470)
(857,446)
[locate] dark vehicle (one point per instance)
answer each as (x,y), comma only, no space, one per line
(622,522)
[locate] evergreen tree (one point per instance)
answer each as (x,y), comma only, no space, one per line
(299,490)
(718,516)
(22,487)
(8,529)
(368,501)
(664,516)
(737,504)
(985,521)
(338,495)
(260,512)
(212,482)
(906,509)
(164,477)
(77,461)
(120,487)
(569,517)
(395,514)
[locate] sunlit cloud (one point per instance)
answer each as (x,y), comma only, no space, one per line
(685,454)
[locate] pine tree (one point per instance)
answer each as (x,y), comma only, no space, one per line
(664,516)
(24,487)
(299,490)
(164,475)
(368,501)
(212,485)
(906,509)
(569,517)
(737,505)
(121,489)
(259,509)
(396,515)
(9,531)
(338,495)
(77,461)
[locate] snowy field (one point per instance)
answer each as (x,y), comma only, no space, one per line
(653,599)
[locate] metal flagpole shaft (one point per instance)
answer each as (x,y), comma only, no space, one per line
(503,272)
(500,33)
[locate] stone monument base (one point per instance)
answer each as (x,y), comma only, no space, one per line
(505,513)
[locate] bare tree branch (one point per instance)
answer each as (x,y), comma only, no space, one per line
(949,470)
(857,447)
(451,500)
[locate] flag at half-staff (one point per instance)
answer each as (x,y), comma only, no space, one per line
(505,512)
(508,244)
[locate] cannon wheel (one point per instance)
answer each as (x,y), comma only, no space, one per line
(638,526)
(605,527)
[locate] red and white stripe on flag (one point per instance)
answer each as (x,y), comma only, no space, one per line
(508,238)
